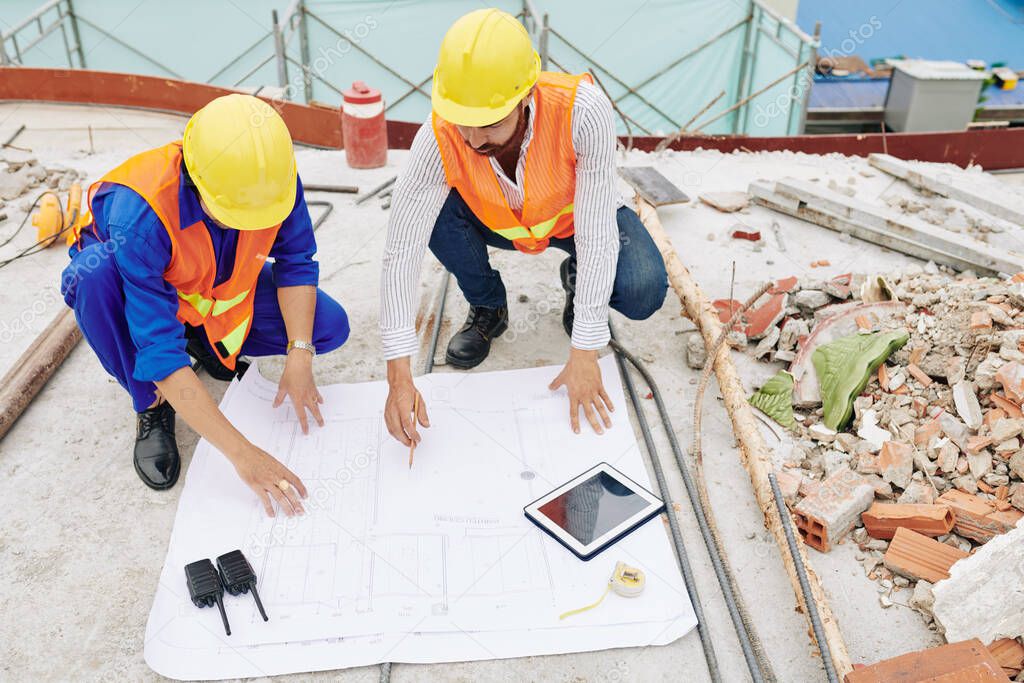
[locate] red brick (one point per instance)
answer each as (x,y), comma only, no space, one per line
(1012,409)
(824,517)
(924,434)
(993,415)
(883,519)
(1010,655)
(786,284)
(980,320)
(749,235)
(968,661)
(976,518)
(916,556)
(919,374)
(760,319)
(1011,376)
(976,444)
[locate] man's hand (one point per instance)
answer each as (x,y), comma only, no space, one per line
(582,377)
(398,408)
(265,475)
(297,383)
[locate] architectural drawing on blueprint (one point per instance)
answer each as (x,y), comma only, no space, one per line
(442,547)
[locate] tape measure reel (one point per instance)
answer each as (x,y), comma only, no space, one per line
(626,581)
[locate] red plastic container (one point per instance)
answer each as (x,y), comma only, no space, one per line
(363,127)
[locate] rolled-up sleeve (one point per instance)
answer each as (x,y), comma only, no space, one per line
(142,251)
(295,247)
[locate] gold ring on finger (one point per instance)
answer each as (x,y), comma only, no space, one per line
(283,485)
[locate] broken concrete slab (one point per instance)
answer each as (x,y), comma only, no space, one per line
(979,190)
(984,594)
(696,353)
(883,226)
(810,300)
(726,202)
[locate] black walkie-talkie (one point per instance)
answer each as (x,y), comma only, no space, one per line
(238,577)
(205,588)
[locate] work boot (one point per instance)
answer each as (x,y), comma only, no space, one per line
(156,451)
(470,345)
(567,271)
(197,348)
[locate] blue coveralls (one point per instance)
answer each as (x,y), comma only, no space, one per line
(127,311)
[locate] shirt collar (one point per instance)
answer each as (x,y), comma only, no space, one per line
(189,210)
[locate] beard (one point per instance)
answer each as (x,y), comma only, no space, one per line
(492,150)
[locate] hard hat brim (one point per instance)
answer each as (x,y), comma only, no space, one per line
(258,218)
(476,117)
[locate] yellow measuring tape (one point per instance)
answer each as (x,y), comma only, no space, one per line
(625,581)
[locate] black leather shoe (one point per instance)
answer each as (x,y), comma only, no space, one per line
(567,271)
(470,345)
(197,348)
(156,451)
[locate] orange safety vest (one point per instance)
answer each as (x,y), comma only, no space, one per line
(549,173)
(223,311)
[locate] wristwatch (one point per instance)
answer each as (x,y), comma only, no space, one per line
(299,344)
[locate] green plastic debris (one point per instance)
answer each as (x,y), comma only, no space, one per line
(775,399)
(844,366)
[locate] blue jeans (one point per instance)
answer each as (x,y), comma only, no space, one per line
(460,242)
(96,295)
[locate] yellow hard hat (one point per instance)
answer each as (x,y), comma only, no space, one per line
(486,65)
(239,153)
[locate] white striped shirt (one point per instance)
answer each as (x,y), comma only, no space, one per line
(422,189)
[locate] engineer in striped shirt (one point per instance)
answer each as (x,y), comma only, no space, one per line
(513,158)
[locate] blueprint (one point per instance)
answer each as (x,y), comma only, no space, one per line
(432,563)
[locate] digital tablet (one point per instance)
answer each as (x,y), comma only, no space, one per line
(594,510)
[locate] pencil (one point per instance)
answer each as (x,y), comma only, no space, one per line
(415,411)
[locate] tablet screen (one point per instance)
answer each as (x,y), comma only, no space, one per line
(593,507)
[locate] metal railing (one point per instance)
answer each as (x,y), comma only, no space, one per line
(12,51)
(762,29)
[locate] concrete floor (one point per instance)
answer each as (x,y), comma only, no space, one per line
(82,540)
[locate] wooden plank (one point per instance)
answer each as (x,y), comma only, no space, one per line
(754,453)
(32,370)
(980,190)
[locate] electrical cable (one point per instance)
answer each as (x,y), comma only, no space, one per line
(38,246)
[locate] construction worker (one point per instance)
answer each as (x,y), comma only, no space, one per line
(172,263)
(513,158)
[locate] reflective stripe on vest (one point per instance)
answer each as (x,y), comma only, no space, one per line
(235,338)
(207,306)
(537,232)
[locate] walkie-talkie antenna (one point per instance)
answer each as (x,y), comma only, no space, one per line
(238,577)
(205,589)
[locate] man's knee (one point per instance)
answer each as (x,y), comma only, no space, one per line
(643,292)
(330,327)
(91,277)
